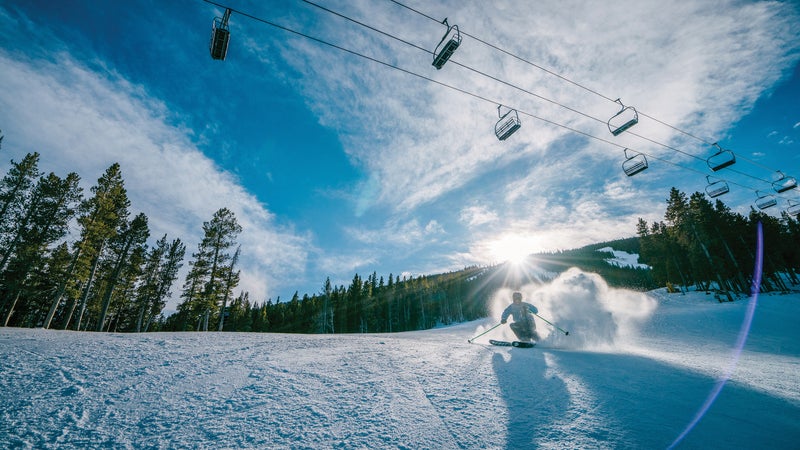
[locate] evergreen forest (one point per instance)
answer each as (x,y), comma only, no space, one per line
(79,260)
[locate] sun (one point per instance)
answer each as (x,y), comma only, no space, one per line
(512,248)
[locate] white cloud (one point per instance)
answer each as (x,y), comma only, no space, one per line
(477,215)
(688,64)
(398,233)
(93,121)
(424,147)
(685,63)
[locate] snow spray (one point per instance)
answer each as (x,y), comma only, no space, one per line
(596,314)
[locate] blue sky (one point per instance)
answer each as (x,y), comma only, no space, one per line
(335,164)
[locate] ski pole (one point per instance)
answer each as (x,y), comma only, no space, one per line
(490,329)
(566,333)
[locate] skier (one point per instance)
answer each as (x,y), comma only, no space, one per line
(523,326)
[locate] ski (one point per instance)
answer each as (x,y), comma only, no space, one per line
(519,344)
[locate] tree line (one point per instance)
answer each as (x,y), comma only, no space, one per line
(105,277)
(371,305)
(705,244)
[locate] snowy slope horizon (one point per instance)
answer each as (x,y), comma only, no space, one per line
(634,372)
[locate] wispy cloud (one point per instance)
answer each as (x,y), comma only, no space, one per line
(686,64)
(437,184)
(477,215)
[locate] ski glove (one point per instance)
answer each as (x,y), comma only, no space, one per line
(503,321)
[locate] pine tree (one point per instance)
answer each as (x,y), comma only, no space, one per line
(14,192)
(130,238)
(101,215)
(160,271)
(44,221)
(231,281)
(205,285)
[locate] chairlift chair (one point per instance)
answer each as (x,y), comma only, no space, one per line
(624,119)
(447,46)
(784,183)
(220,36)
(793,209)
(508,123)
(716,188)
(765,200)
(721,159)
(633,164)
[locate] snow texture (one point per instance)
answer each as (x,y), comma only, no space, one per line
(623,259)
(632,373)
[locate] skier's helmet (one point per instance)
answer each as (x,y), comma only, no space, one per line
(516,297)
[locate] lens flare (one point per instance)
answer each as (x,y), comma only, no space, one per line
(740,341)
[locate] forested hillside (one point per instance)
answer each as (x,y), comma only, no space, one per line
(712,247)
(107,278)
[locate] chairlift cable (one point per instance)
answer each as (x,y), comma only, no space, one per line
(463,91)
(366,26)
(521,89)
(586,88)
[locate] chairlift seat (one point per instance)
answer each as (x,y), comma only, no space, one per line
(717,188)
(766,201)
(784,184)
(447,46)
(623,120)
(721,159)
(220,38)
(793,209)
(634,164)
(507,125)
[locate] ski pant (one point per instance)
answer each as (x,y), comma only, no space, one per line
(525,330)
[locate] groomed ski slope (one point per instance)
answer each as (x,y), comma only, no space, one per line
(627,376)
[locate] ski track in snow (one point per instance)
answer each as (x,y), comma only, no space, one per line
(428,389)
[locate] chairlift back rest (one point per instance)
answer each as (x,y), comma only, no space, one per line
(220,37)
(634,165)
(507,126)
(717,188)
(784,184)
(447,51)
(766,202)
(793,210)
(721,160)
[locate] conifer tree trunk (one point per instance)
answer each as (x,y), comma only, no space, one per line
(71,310)
(62,286)
(140,318)
(85,296)
(11,309)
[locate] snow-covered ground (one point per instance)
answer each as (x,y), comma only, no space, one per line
(634,372)
(623,259)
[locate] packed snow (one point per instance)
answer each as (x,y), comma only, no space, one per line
(635,371)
